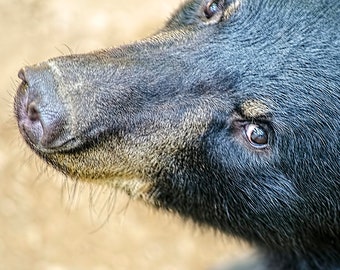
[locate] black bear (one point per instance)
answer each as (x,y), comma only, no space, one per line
(229,116)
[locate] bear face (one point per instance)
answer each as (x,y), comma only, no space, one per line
(229,116)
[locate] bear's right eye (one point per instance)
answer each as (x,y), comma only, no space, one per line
(257,136)
(212,8)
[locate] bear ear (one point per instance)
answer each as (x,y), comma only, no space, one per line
(214,11)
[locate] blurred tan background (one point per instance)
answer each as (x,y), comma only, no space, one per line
(48,223)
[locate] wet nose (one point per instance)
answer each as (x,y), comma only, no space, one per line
(39,111)
(32,109)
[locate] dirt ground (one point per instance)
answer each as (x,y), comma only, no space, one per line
(48,223)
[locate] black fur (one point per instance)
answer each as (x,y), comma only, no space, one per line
(167,119)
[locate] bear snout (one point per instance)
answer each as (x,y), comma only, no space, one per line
(41,117)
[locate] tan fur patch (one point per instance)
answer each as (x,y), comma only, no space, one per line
(254,108)
(101,166)
(135,188)
(231,9)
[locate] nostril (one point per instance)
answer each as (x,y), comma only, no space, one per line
(33,112)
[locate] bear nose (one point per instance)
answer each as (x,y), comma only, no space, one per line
(32,109)
(40,113)
(33,112)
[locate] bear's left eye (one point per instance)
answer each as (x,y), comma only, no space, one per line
(256,135)
(213,7)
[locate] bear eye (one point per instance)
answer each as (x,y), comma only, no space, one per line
(213,7)
(257,136)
